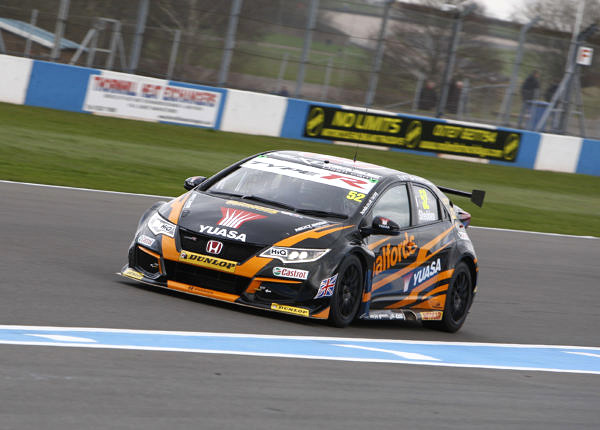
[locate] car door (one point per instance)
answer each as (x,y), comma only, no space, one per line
(427,281)
(393,254)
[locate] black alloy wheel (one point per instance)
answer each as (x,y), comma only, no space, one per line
(458,301)
(348,291)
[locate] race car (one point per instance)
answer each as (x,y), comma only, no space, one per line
(316,236)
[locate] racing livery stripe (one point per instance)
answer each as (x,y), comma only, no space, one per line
(169,250)
(421,258)
(199,291)
(251,267)
(379,242)
(324,314)
(415,293)
(155,255)
(316,233)
(435,299)
(257,281)
(176,206)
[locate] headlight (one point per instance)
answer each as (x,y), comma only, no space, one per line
(294,255)
(159,225)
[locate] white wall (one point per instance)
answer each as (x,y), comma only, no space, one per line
(14,78)
(253,113)
(558,153)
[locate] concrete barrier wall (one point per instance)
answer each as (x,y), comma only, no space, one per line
(80,89)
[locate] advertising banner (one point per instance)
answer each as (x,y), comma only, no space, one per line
(418,134)
(150,99)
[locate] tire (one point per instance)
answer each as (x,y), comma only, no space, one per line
(348,292)
(459,298)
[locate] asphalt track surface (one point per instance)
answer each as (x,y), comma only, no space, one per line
(61,248)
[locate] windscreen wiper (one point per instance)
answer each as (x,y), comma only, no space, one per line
(317,212)
(267,201)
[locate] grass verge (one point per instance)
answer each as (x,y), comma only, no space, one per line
(64,148)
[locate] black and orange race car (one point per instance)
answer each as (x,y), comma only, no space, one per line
(316,236)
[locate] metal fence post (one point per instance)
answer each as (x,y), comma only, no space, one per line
(173,56)
(448,71)
(33,22)
(236,7)
(61,19)
(507,102)
(378,55)
(310,26)
(281,75)
(325,89)
(140,26)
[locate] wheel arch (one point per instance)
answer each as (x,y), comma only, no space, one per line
(469,260)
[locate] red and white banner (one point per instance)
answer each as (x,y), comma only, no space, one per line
(150,99)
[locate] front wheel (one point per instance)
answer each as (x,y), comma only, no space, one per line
(347,294)
(458,301)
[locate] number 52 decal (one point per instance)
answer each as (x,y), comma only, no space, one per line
(357,197)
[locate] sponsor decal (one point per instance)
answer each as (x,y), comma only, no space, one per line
(427,272)
(384,315)
(431,315)
(252,206)
(427,215)
(189,202)
(311,173)
(145,240)
(324,122)
(327,287)
(309,226)
(284,272)
(290,309)
(207,261)
(134,274)
(234,218)
(223,232)
(462,233)
(369,203)
(150,99)
(276,252)
(214,246)
(392,255)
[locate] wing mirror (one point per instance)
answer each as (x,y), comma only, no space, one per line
(382,225)
(193,182)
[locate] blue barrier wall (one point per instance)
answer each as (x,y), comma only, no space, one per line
(60,86)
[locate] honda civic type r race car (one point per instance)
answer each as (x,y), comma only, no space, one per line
(316,236)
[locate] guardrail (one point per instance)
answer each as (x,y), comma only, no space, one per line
(80,89)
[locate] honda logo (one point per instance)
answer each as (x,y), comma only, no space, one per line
(214,247)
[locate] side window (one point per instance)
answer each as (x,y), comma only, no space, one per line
(393,204)
(427,205)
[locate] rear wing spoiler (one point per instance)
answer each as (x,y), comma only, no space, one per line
(476,196)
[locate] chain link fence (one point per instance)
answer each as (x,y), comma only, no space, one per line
(376,53)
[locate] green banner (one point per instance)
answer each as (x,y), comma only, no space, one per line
(329,123)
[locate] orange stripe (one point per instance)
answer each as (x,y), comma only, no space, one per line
(251,267)
(407,302)
(168,248)
(155,255)
(199,291)
(421,258)
(414,294)
(379,242)
(324,314)
(257,281)
(310,234)
(176,207)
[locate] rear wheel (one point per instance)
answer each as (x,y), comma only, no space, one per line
(347,294)
(458,301)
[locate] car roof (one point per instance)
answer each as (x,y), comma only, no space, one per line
(347,165)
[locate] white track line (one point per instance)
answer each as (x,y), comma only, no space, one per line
(62,187)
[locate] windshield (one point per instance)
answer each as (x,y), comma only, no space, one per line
(296,187)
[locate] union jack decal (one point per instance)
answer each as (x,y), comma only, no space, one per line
(327,286)
(234,218)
